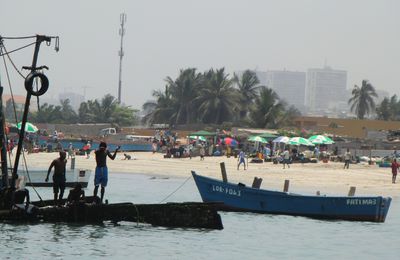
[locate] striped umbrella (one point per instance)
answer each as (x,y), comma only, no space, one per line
(300,141)
(29,128)
(256,138)
(320,139)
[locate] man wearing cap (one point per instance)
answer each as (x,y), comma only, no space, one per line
(101,174)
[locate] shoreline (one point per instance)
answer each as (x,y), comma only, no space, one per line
(328,178)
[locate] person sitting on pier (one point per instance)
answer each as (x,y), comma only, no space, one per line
(58,176)
(15,197)
(76,195)
(101,173)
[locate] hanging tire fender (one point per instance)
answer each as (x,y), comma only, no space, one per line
(29,83)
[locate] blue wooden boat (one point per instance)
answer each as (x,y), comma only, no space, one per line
(238,197)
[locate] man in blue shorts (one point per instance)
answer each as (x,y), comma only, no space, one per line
(101,174)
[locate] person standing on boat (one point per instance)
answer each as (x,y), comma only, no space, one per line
(347,158)
(101,173)
(395,166)
(58,176)
(241,159)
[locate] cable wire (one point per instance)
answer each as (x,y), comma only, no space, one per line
(20,48)
(176,189)
(11,61)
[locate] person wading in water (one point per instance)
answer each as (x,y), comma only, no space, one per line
(101,174)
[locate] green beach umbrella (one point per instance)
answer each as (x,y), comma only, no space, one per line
(29,128)
(320,139)
(256,138)
(300,141)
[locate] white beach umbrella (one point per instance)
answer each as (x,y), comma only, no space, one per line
(281,139)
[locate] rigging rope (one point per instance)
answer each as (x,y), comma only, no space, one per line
(16,121)
(20,48)
(11,91)
(176,189)
(12,63)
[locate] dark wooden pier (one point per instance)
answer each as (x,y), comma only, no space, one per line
(177,215)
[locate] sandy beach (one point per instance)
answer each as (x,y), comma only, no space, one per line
(328,178)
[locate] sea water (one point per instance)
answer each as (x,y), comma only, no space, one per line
(245,235)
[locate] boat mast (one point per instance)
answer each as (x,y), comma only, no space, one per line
(121,54)
(3,143)
(33,68)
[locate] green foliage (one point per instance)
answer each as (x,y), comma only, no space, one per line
(389,109)
(362,100)
(248,87)
(93,111)
(213,97)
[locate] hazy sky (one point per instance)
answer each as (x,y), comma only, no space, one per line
(164,36)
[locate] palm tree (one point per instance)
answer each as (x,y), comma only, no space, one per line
(362,100)
(268,110)
(218,99)
(248,90)
(383,110)
(162,110)
(184,89)
(68,113)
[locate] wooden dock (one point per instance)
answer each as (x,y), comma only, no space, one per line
(177,215)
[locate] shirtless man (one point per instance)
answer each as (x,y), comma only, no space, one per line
(58,176)
(101,173)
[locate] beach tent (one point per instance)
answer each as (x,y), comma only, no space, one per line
(203,133)
(198,137)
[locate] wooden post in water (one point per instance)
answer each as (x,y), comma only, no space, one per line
(286,186)
(223,172)
(352,191)
(256,183)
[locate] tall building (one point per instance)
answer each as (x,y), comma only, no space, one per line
(326,91)
(289,85)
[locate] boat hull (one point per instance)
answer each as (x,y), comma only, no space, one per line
(37,178)
(241,198)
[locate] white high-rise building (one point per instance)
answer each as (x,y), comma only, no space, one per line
(326,90)
(289,85)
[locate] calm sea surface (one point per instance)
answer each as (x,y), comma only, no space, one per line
(245,235)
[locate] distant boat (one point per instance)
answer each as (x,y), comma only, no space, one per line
(238,197)
(37,178)
(73,176)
